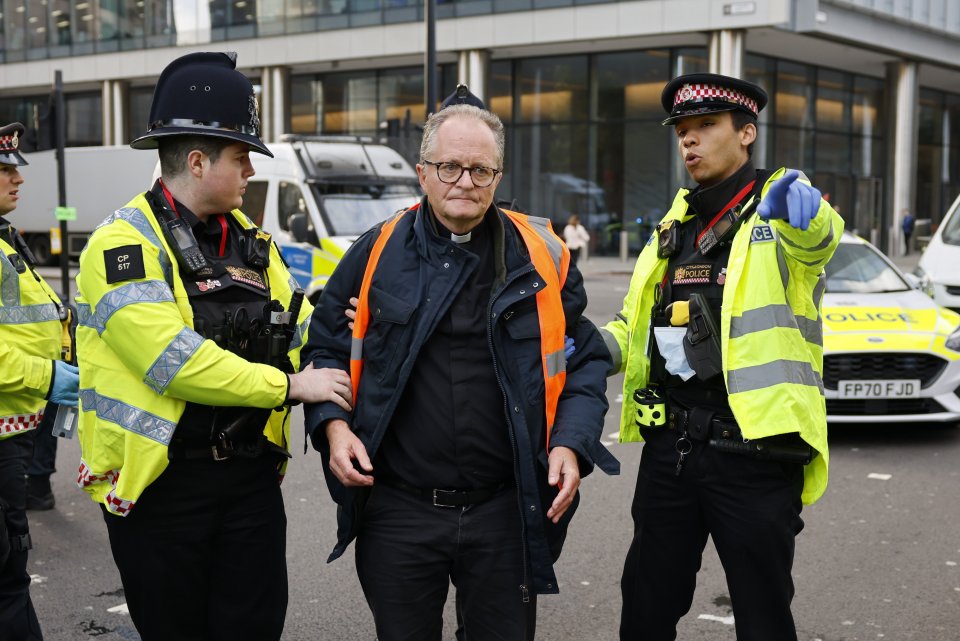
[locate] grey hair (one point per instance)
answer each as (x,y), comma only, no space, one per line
(488,118)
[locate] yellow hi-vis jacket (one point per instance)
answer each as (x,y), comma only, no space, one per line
(32,336)
(141,360)
(770,325)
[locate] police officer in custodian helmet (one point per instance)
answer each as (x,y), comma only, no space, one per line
(189,337)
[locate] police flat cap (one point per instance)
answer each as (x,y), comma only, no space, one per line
(696,94)
(10,136)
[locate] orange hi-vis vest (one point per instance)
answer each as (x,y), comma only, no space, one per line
(550,258)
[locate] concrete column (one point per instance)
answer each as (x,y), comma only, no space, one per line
(473,70)
(113,96)
(726,52)
(903,86)
(274,105)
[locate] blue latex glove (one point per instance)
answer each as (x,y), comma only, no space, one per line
(568,347)
(66,384)
(791,200)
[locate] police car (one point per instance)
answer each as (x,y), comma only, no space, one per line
(891,354)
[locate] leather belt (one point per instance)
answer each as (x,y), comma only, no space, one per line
(448,498)
(702,424)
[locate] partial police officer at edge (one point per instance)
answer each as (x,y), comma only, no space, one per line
(34,345)
(189,336)
(448,468)
(720,340)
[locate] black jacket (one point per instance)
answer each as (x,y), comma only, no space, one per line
(418,275)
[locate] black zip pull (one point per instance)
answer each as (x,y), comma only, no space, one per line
(525,593)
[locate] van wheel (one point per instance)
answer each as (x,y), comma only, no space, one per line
(40,246)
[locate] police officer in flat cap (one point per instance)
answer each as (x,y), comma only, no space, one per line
(189,337)
(720,342)
(34,347)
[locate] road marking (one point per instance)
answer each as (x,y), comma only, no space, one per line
(119,609)
(36,578)
(879,477)
(712,617)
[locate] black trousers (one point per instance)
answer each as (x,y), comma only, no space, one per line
(751,508)
(202,555)
(18,620)
(408,552)
(44,459)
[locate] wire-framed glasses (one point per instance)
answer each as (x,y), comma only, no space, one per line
(451,172)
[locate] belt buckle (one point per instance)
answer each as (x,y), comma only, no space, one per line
(437,499)
(677,419)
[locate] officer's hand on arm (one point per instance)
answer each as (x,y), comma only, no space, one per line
(318,385)
(791,200)
(345,448)
(351,312)
(563,470)
(65,388)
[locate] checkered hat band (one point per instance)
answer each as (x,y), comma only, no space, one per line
(7,144)
(698,93)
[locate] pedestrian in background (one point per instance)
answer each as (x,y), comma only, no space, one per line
(188,339)
(907,225)
(465,451)
(34,344)
(576,237)
(721,344)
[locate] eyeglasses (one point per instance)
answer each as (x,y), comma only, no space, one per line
(451,172)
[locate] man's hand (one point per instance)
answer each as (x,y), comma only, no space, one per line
(65,388)
(351,312)
(318,385)
(791,200)
(563,471)
(345,448)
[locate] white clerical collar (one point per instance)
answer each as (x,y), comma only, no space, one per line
(461,239)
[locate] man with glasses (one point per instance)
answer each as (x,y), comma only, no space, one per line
(462,458)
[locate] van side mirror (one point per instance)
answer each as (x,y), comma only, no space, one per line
(299,227)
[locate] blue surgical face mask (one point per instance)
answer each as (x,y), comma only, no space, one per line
(670,344)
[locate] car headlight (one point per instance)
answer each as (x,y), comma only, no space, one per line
(926,283)
(953,340)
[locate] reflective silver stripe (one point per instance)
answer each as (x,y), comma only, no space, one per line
(819,289)
(771,316)
(149,291)
(298,336)
(10,283)
(356,349)
(554,246)
(782,267)
(292,284)
(127,416)
(181,348)
(611,342)
(139,221)
(822,245)
(556,362)
(26,314)
(746,379)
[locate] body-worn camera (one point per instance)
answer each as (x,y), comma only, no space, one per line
(256,248)
(668,239)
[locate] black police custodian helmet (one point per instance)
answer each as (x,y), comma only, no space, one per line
(696,94)
(462,96)
(10,136)
(203,94)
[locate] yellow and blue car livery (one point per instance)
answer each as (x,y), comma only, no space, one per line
(311,266)
(891,354)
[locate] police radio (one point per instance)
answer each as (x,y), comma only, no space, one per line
(184,245)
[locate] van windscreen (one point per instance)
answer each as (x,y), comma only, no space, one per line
(353,214)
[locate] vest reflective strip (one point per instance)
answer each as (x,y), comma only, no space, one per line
(754,377)
(772,316)
(297,339)
(20,422)
(362,319)
(541,242)
(821,245)
(149,291)
(180,349)
(27,314)
(139,221)
(127,416)
(9,282)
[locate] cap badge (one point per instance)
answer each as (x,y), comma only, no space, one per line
(16,140)
(253,110)
(686,93)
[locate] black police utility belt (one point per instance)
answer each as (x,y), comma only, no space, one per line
(263,335)
(721,433)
